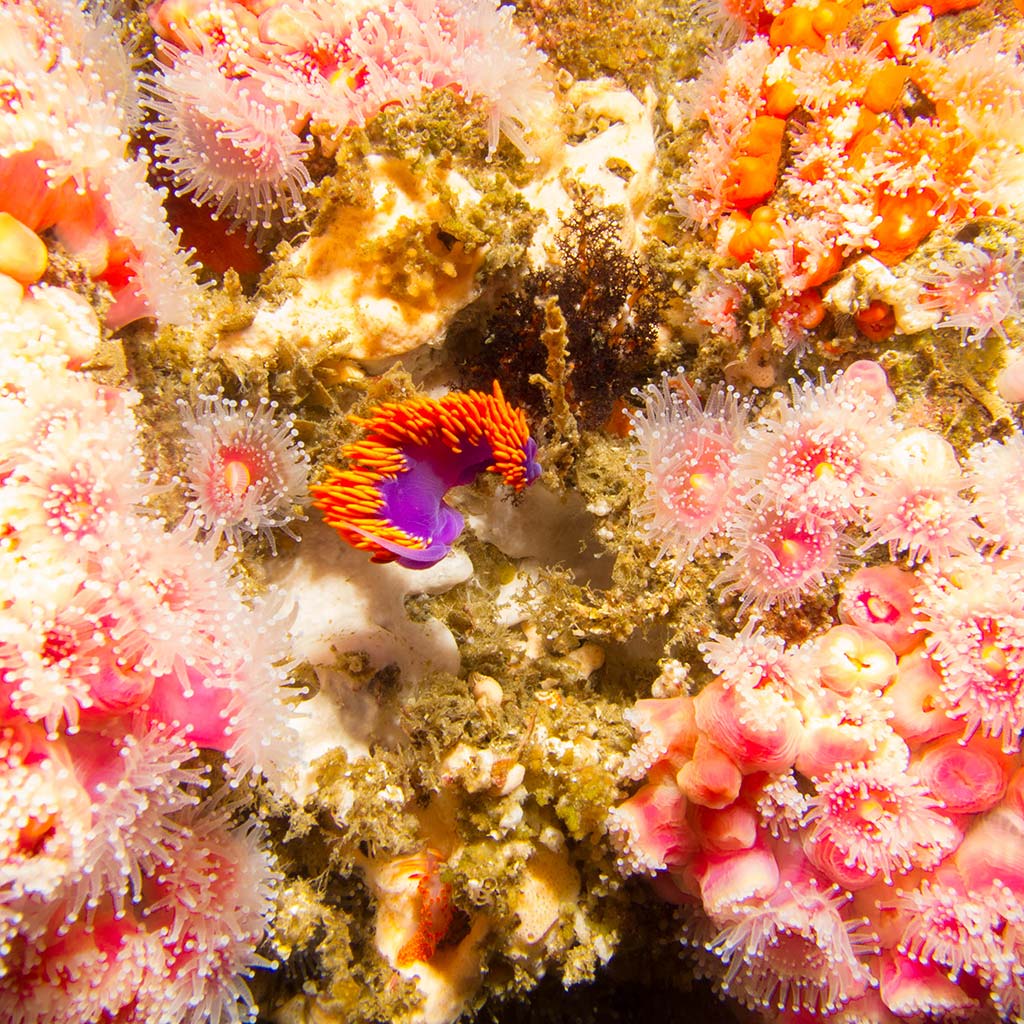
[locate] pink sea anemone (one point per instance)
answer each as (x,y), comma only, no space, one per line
(966,778)
(955,929)
(45,820)
(246,470)
(711,778)
(111,970)
(975,624)
(731,881)
(880,599)
(665,732)
(137,784)
(995,469)
(974,291)
(911,988)
(847,658)
(754,658)
(843,730)
(650,830)
(917,708)
(915,504)
(873,820)
(687,452)
(224,143)
(778,556)
(795,951)
(757,727)
(814,454)
(211,906)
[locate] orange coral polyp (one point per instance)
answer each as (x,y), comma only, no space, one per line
(810,309)
(823,267)
(877,321)
(906,221)
(937,6)
(885,87)
(753,234)
(754,170)
(781,99)
(808,27)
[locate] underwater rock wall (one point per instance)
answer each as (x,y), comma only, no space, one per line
(505,503)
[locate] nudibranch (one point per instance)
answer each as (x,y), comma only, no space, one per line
(390,499)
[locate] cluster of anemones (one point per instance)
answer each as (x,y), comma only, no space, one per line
(67,110)
(125,651)
(829,137)
(790,496)
(847,815)
(233,91)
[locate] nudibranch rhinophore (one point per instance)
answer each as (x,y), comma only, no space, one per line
(390,499)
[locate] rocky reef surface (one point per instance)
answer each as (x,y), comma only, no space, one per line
(511,512)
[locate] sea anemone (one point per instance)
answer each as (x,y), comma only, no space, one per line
(211,907)
(777,557)
(137,784)
(408,46)
(650,831)
(795,951)
(246,470)
(842,730)
(915,503)
(814,455)
(224,143)
(665,732)
(847,658)
(975,624)
(880,599)
(45,819)
(756,727)
(995,470)
(753,658)
(958,930)
(975,291)
(873,820)
(966,778)
(687,453)
(911,988)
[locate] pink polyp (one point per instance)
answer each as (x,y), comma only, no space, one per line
(711,778)
(918,711)
(880,599)
(651,830)
(968,778)
(992,853)
(756,738)
(849,658)
(909,988)
(665,728)
(730,879)
(823,746)
(730,829)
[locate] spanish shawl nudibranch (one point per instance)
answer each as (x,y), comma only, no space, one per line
(389,501)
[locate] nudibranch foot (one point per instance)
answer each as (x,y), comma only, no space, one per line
(390,499)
